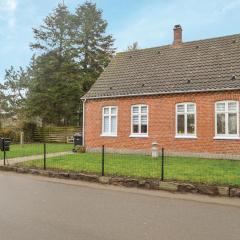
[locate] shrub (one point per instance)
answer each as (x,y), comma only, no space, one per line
(29,128)
(12,133)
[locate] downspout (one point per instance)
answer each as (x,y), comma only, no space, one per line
(83,124)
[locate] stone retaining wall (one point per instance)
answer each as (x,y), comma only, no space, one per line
(133,182)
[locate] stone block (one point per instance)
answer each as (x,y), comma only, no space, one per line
(168,186)
(234,192)
(104,180)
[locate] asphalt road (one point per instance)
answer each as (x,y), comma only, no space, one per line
(34,208)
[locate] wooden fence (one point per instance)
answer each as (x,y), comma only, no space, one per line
(55,134)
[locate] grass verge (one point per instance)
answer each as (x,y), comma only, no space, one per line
(17,150)
(196,170)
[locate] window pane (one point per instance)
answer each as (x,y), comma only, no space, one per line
(144,120)
(190,124)
(220,107)
(135,124)
(135,128)
(144,124)
(135,109)
(106,110)
(180,124)
(232,123)
(144,109)
(180,108)
(143,128)
(106,125)
(113,110)
(113,124)
(135,119)
(190,108)
(232,106)
(221,123)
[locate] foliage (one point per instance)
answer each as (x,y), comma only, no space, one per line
(28,128)
(12,133)
(92,47)
(134,46)
(70,52)
(13,91)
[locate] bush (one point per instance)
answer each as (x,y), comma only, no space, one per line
(79,149)
(12,133)
(29,128)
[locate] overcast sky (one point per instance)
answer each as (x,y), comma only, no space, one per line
(149,22)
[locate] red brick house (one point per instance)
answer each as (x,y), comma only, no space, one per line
(184,96)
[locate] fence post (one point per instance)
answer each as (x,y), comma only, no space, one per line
(103,153)
(162,176)
(44,156)
(4,152)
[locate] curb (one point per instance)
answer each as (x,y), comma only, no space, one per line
(133,182)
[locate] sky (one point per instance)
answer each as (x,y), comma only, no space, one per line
(149,22)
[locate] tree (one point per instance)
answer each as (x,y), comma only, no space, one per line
(55,89)
(54,94)
(54,33)
(70,52)
(93,47)
(13,91)
(134,46)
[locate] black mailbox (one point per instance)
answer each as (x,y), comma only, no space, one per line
(5,144)
(77,139)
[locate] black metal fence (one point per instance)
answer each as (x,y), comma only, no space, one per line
(60,157)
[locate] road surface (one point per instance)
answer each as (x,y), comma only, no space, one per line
(37,208)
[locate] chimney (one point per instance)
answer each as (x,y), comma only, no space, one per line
(177,34)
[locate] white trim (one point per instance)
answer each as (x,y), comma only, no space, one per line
(139,120)
(110,115)
(185,134)
(138,135)
(108,135)
(226,138)
(226,112)
(83,126)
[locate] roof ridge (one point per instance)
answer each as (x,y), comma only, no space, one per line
(184,43)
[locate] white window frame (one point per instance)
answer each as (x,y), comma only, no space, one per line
(110,115)
(185,134)
(226,112)
(140,135)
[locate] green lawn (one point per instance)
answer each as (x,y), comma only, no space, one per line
(17,150)
(197,170)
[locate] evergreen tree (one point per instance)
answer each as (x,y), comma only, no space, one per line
(55,89)
(133,47)
(70,52)
(54,94)
(93,47)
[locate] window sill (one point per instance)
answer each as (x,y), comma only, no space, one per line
(185,137)
(138,136)
(108,135)
(226,138)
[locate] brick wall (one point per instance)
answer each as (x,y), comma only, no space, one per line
(161,124)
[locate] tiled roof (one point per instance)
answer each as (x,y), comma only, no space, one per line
(204,65)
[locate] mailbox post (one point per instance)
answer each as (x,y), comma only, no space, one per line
(5,146)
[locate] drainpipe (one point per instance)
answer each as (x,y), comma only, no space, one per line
(83,126)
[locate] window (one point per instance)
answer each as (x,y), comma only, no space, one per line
(227,119)
(186,120)
(109,121)
(139,121)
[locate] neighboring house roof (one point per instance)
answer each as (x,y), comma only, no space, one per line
(204,65)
